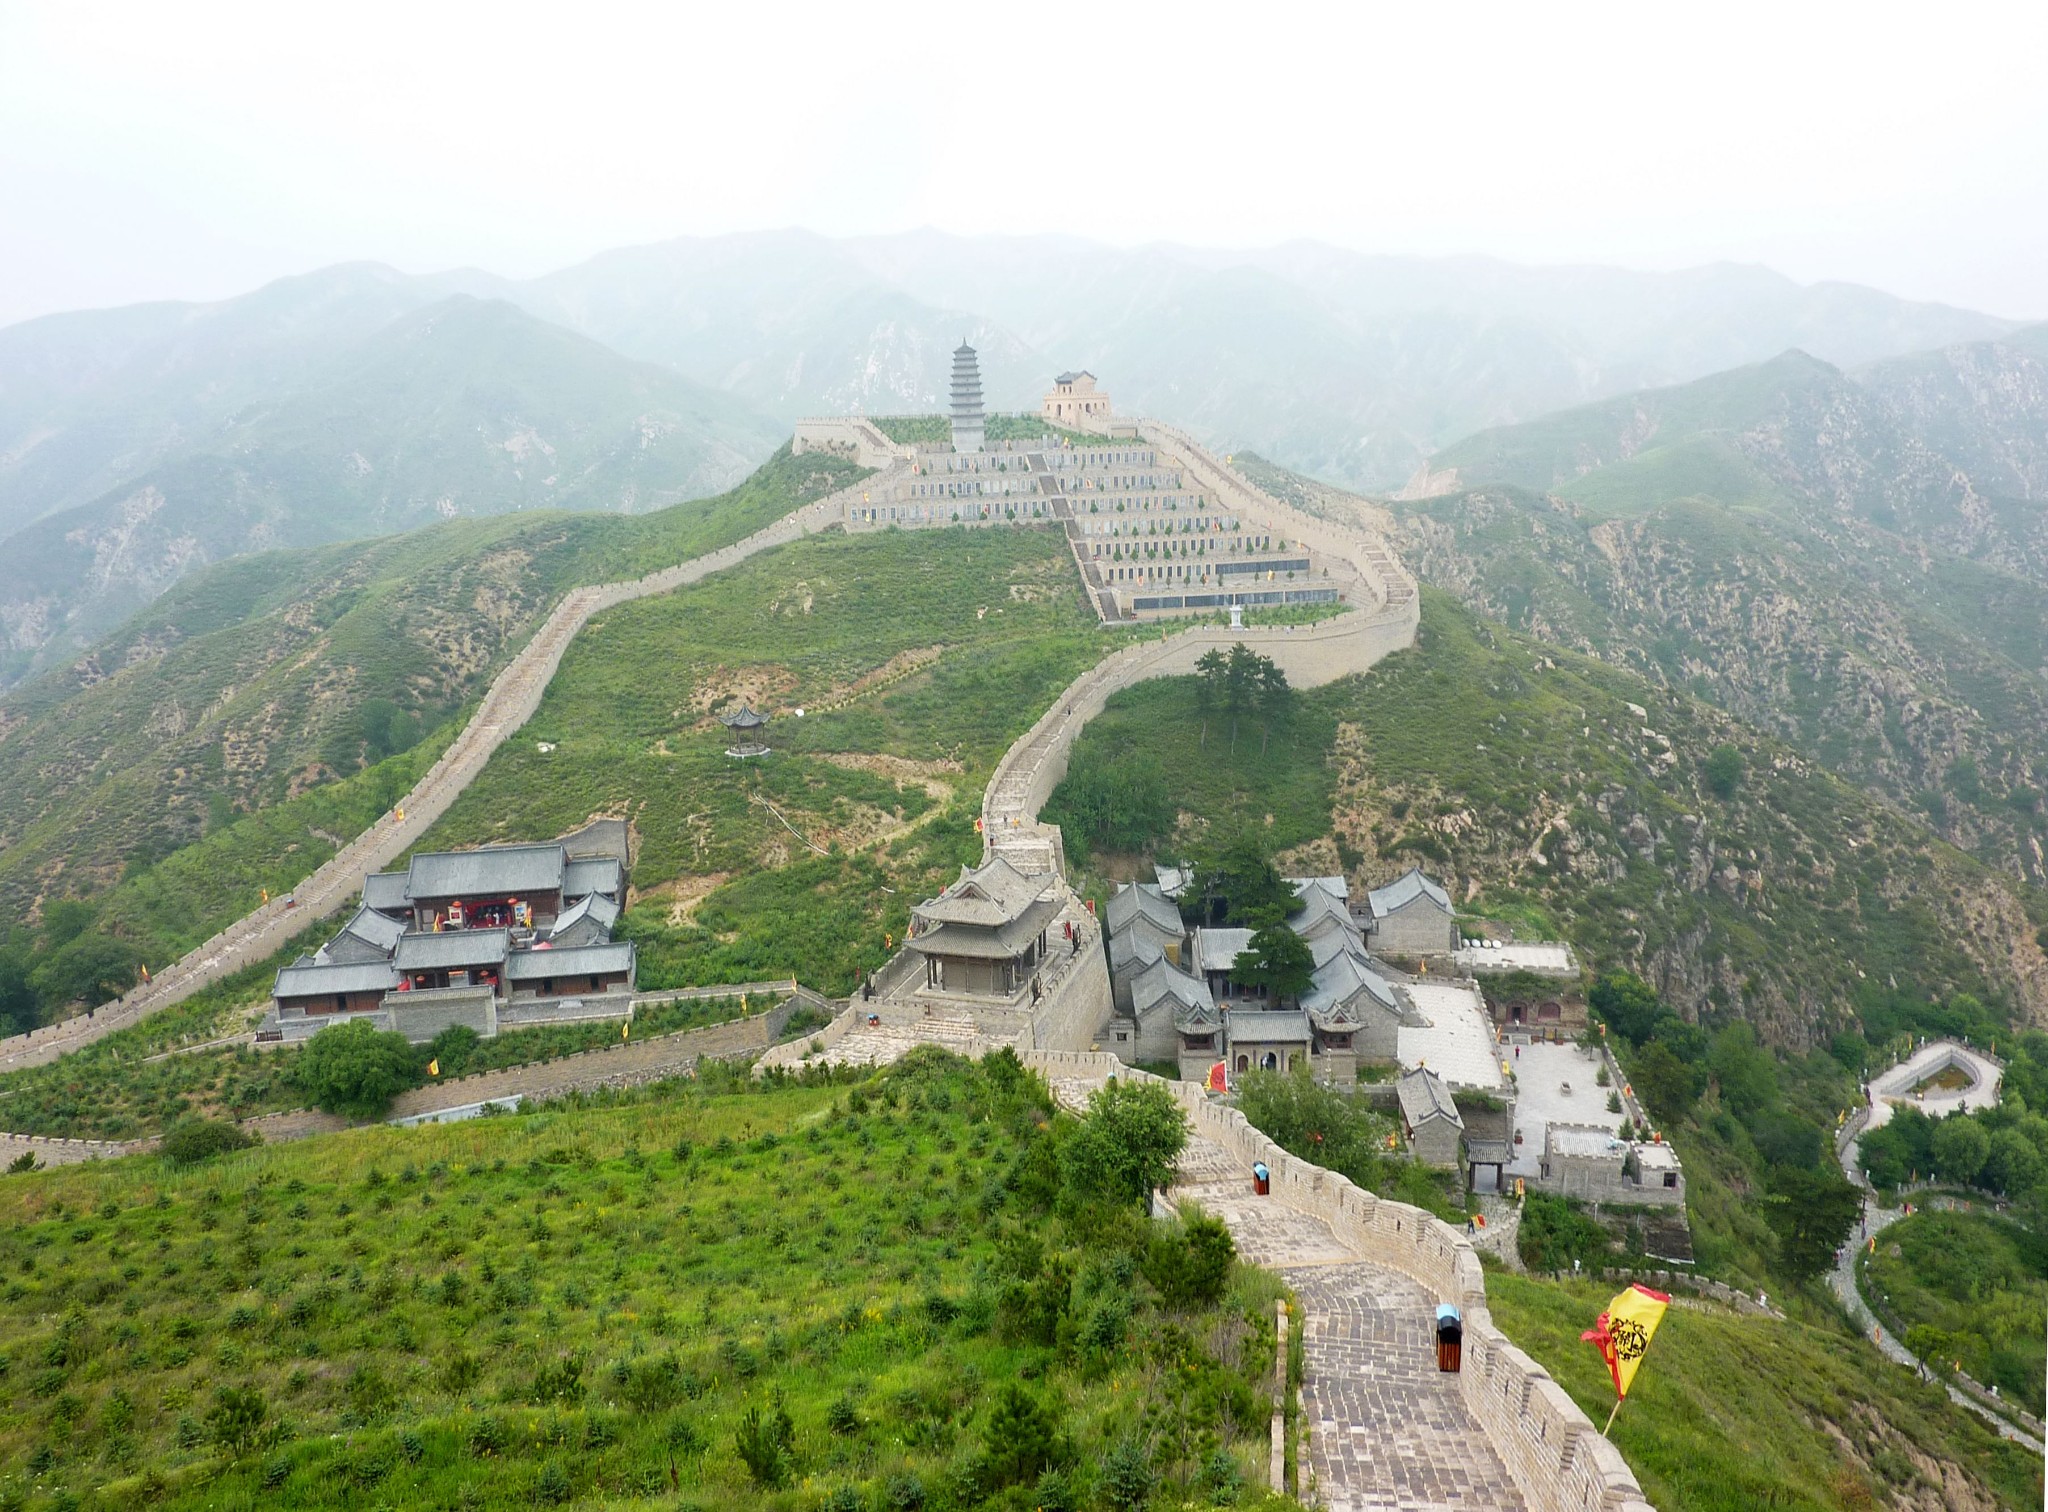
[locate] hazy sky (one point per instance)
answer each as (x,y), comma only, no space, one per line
(195,149)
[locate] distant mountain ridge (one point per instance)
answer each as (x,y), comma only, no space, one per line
(452,407)
(1855,562)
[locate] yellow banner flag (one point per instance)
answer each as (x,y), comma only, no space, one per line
(434,1066)
(1624,1332)
(626,1030)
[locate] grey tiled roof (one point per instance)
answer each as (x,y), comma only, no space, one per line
(1266,1026)
(1424,1096)
(306,978)
(385,892)
(1405,889)
(1164,980)
(1345,989)
(569,960)
(991,894)
(1133,953)
(1142,900)
(376,928)
(1218,949)
(452,950)
(594,910)
(593,874)
(999,942)
(490,871)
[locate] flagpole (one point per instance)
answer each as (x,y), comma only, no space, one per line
(1610,1417)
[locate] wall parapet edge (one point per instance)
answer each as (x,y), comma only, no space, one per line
(1552,1452)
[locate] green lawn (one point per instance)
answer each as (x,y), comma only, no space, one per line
(1729,1414)
(580,1304)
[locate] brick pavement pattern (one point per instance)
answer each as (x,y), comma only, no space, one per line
(1388,1432)
(1387,1429)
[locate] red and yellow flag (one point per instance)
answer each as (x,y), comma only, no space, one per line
(1624,1332)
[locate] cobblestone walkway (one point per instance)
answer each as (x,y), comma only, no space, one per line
(1387,1430)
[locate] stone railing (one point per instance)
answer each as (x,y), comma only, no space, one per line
(509,702)
(1553,1453)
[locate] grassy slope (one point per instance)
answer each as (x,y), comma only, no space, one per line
(724,892)
(1481,751)
(247,685)
(697,1251)
(1977,1280)
(995,627)
(1730,1413)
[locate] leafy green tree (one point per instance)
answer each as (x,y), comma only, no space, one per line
(1746,1071)
(1961,1148)
(1236,884)
(1723,771)
(1810,1212)
(1114,801)
(1278,960)
(355,1069)
(1021,1438)
(92,968)
(1553,1233)
(1318,1123)
(453,1049)
(1626,1004)
(1127,1145)
(18,1006)
(1666,1084)
(2014,1165)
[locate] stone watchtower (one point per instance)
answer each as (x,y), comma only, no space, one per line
(967,418)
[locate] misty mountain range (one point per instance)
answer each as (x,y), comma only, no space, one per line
(138,444)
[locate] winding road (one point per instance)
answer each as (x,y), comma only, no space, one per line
(1891,1089)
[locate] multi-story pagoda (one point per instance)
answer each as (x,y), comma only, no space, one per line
(967,416)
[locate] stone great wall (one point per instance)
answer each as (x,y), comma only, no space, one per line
(1509,1436)
(509,702)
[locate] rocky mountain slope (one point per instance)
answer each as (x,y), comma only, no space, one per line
(225,444)
(1824,555)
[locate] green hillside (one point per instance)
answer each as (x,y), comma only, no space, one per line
(1518,773)
(1732,1413)
(604,1303)
(199,755)
(461,408)
(917,658)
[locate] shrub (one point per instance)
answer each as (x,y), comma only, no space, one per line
(198,1139)
(355,1070)
(552,1488)
(1190,1262)
(486,1437)
(1020,1437)
(766,1442)
(558,1380)
(1127,1477)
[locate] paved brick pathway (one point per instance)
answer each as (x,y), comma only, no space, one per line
(1387,1430)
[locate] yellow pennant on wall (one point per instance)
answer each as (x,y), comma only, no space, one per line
(1623,1336)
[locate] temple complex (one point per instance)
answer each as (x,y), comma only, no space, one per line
(496,937)
(1153,532)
